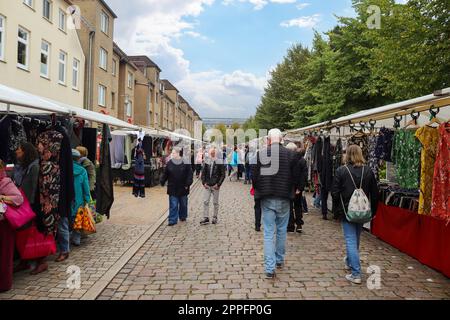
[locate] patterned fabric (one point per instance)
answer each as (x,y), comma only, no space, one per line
(17,135)
(429,137)
(49,147)
(440,207)
(360,140)
(406,156)
(383,149)
(373,160)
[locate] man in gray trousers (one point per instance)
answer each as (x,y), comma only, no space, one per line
(213,175)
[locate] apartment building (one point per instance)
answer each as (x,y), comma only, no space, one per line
(40,51)
(96,35)
(126,71)
(150,90)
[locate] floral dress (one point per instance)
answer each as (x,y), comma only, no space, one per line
(406,156)
(440,207)
(373,161)
(429,138)
(49,147)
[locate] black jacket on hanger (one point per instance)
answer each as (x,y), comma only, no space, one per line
(326,172)
(105,189)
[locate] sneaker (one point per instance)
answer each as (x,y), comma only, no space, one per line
(204,221)
(183,220)
(352,279)
(291,230)
(171,224)
(324,218)
(214,221)
(258,229)
(270,276)
(280,265)
(299,229)
(347,267)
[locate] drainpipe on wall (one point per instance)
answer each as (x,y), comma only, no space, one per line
(148,105)
(90,87)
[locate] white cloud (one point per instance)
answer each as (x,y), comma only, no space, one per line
(302,6)
(302,22)
(150,27)
(258,4)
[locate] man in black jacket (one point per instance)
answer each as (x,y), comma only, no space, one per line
(274,177)
(213,175)
(180,177)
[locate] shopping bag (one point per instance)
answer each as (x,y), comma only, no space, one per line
(88,222)
(19,216)
(252,191)
(84,221)
(32,244)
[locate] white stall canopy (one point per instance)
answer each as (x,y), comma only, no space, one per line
(384,116)
(21,102)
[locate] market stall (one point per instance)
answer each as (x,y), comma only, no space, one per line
(406,145)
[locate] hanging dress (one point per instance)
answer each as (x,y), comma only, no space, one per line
(429,138)
(440,207)
(49,147)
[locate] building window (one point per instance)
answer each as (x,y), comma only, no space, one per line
(47,9)
(22,48)
(2,38)
(104,22)
(28,3)
(129,109)
(157,96)
(45,58)
(103,59)
(114,67)
(101,95)
(113,100)
(62,67)
(75,73)
(62,20)
(130,80)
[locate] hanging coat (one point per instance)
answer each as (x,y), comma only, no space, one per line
(326,173)
(105,191)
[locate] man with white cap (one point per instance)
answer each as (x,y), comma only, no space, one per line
(274,177)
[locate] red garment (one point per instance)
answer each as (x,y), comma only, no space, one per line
(7,237)
(440,207)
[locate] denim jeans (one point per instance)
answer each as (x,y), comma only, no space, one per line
(63,236)
(178,209)
(352,235)
(247,172)
(275,213)
(76,237)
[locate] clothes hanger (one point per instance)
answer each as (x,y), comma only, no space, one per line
(434,119)
(413,121)
(372,124)
(397,120)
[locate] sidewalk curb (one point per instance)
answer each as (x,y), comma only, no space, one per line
(100,285)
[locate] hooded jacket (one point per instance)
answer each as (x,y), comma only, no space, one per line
(9,189)
(81,184)
(90,169)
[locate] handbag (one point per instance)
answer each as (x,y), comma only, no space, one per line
(21,215)
(32,244)
(84,221)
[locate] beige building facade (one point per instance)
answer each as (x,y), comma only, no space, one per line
(96,35)
(127,86)
(40,51)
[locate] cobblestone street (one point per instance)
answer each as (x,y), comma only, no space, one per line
(224,261)
(135,255)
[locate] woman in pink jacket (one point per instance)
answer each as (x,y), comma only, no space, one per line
(10,195)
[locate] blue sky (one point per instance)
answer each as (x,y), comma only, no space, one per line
(219,52)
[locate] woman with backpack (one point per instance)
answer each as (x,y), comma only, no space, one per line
(355,189)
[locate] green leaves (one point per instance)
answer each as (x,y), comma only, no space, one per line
(356,68)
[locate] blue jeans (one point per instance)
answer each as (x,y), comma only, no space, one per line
(352,235)
(178,209)
(63,236)
(275,213)
(247,172)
